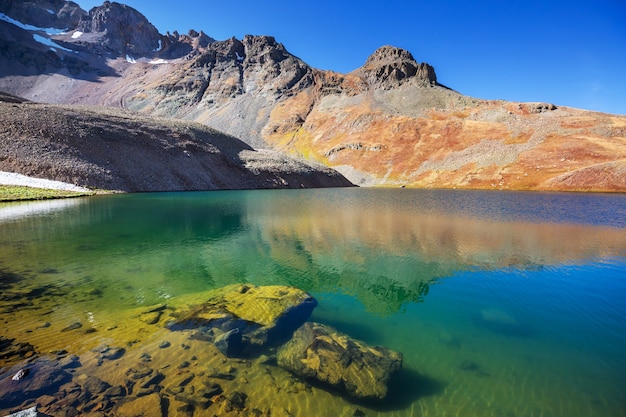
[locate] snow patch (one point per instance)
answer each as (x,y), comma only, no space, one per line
(48,42)
(131,59)
(51,11)
(49,31)
(158,61)
(12,178)
(77,34)
(239,57)
(159,47)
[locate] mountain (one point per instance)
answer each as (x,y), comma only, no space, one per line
(112,149)
(389,122)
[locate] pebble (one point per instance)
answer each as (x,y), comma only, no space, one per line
(20,375)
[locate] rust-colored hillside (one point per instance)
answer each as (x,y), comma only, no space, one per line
(461,143)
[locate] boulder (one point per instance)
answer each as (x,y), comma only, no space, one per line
(322,353)
(241,319)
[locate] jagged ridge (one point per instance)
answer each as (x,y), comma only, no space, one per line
(389,122)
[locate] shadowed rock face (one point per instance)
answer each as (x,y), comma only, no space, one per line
(389,122)
(58,14)
(122,29)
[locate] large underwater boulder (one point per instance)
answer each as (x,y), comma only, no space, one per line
(243,319)
(320,352)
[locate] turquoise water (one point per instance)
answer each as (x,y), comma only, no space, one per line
(503,304)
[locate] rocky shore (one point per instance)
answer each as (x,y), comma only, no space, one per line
(11,178)
(212,354)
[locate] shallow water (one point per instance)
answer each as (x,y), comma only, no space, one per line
(503,304)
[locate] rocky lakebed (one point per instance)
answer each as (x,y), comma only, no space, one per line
(239,350)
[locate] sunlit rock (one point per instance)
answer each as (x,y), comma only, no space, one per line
(320,352)
(240,319)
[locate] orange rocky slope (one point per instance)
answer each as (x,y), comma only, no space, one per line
(420,135)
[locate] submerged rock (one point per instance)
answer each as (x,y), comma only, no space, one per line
(41,377)
(10,349)
(449,340)
(148,405)
(95,385)
(241,319)
(72,326)
(320,352)
(20,375)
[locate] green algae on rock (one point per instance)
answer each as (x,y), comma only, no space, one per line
(241,319)
(320,352)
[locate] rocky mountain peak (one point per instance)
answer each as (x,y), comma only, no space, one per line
(264,49)
(388,54)
(389,67)
(60,14)
(123,29)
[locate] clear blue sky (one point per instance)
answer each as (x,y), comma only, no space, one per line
(570,53)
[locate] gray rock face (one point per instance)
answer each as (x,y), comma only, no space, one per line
(227,69)
(58,14)
(388,67)
(322,353)
(122,29)
(176,45)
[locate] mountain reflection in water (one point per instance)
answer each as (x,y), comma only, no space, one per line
(386,247)
(387,251)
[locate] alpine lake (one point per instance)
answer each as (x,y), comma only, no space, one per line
(503,304)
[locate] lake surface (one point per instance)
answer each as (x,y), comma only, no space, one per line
(503,304)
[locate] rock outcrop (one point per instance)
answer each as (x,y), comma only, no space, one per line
(243,319)
(121,30)
(389,67)
(59,14)
(322,353)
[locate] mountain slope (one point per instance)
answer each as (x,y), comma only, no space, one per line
(387,123)
(458,143)
(125,151)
